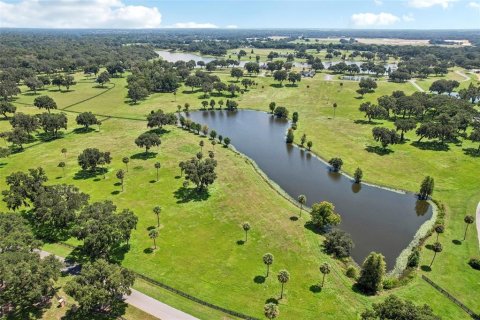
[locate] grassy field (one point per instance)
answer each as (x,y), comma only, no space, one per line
(197,248)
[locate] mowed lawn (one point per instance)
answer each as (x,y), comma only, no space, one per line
(197,248)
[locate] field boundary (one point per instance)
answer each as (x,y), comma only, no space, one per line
(451,298)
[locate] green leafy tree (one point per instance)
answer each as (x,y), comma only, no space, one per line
(358,175)
(336,164)
(372,274)
(6,107)
(323,214)
(100,287)
(413,258)
(236,73)
(272,106)
(385,136)
(200,171)
(86,119)
(290,136)
(226,141)
(309,145)
(281,112)
(475,136)
(51,123)
(268,261)
(159,119)
(339,243)
(23,187)
(26,122)
(147,140)
(426,188)
(103,78)
(68,81)
(16,234)
(90,158)
(45,102)
(404,125)
(17,137)
(395,308)
(373,111)
(283,277)
(280,76)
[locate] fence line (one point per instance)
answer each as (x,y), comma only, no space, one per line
(184,294)
(451,298)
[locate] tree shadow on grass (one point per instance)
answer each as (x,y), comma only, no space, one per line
(293,218)
(378,150)
(426,268)
(429,247)
(184,195)
(116,312)
(148,250)
(159,131)
(88,174)
(272,300)
(431,145)
(276,85)
(361,121)
(472,152)
(315,288)
(47,137)
(115,192)
(144,155)
(310,226)
(240,242)
(83,130)
(457,242)
(259,279)
(118,253)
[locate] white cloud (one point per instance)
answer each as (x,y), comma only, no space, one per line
(77,14)
(475,5)
(408,17)
(193,25)
(373,19)
(430,3)
(378,2)
(232,26)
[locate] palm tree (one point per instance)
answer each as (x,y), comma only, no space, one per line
(283,276)
(126,160)
(468,220)
(201,144)
(268,260)
(64,151)
(439,228)
(271,310)
(437,247)
(121,176)
(246,227)
(324,269)
(157,210)
(213,144)
(62,165)
(302,199)
(153,234)
(334,109)
(157,166)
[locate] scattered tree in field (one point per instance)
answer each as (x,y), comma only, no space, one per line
(103,78)
(373,111)
(136,92)
(157,210)
(153,234)
(426,188)
(272,106)
(33,84)
(86,119)
(335,105)
(404,125)
(246,228)
(90,158)
(68,81)
(100,287)
(6,107)
(147,140)
(158,119)
(271,310)
(236,73)
(157,167)
(200,171)
(385,136)
(358,175)
(366,85)
(302,199)
(436,247)
(336,164)
(444,86)
(126,160)
(439,228)
(268,261)
(58,81)
(51,123)
(324,269)
(468,221)
(45,102)
(283,277)
(323,214)
(294,77)
(372,274)
(121,176)
(280,76)
(17,137)
(24,121)
(395,308)
(64,152)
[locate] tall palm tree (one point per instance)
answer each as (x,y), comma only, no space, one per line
(268,260)
(157,166)
(437,247)
(439,228)
(302,199)
(121,176)
(64,151)
(283,276)
(126,160)
(246,228)
(153,234)
(157,210)
(324,269)
(468,220)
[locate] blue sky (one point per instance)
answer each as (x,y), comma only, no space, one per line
(397,14)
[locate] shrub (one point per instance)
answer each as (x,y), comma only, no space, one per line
(390,283)
(352,272)
(338,243)
(474,263)
(413,259)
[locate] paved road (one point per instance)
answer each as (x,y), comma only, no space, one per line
(139,300)
(478,223)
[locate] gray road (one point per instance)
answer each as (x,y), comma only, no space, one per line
(141,301)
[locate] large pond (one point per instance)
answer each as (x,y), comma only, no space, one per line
(173,56)
(378,219)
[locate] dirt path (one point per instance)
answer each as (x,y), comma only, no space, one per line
(137,299)
(465,77)
(416,85)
